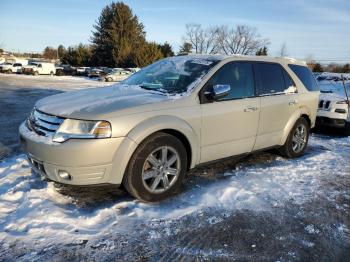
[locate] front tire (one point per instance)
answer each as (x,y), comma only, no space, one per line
(297,140)
(156,169)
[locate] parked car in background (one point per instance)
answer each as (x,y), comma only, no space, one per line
(116,75)
(148,131)
(39,68)
(6,67)
(95,72)
(133,70)
(12,67)
(65,70)
(333,111)
(99,72)
(83,71)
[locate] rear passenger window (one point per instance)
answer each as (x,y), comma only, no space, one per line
(270,78)
(305,76)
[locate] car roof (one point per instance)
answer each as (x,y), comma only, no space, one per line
(281,60)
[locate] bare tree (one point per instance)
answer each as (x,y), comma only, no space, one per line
(283,50)
(242,39)
(203,41)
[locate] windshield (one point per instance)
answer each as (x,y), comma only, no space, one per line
(172,75)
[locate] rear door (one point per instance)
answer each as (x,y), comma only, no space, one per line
(230,124)
(277,104)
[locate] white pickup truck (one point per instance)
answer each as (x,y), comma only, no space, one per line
(39,68)
(11,67)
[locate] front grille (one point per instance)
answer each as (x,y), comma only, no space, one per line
(43,124)
(323,104)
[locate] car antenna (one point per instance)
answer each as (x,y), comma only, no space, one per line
(345,90)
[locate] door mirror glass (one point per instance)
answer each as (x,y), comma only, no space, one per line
(218,91)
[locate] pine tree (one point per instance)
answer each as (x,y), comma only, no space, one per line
(117,36)
(77,56)
(147,54)
(262,51)
(50,53)
(318,68)
(186,48)
(166,49)
(61,50)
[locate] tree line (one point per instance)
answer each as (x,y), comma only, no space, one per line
(119,40)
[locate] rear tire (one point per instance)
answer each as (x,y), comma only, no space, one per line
(35,73)
(156,169)
(297,140)
(51,73)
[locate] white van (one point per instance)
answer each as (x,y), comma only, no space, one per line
(39,68)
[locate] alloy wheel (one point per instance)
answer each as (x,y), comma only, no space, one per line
(299,138)
(161,169)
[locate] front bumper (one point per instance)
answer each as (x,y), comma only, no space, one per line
(331,122)
(88,161)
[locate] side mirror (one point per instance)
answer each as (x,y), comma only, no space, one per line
(291,90)
(218,91)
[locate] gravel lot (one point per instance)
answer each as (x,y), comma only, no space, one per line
(260,208)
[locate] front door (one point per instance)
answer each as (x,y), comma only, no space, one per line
(230,124)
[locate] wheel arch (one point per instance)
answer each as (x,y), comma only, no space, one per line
(167,124)
(301,112)
(173,126)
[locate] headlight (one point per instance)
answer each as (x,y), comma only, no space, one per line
(71,128)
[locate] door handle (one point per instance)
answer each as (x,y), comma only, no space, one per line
(293,102)
(250,109)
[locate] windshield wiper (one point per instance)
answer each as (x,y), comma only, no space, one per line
(155,89)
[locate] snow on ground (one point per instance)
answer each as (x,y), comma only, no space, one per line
(65,83)
(37,214)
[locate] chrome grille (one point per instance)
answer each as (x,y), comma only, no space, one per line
(43,124)
(323,104)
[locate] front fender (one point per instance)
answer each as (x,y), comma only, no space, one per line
(155,124)
(145,129)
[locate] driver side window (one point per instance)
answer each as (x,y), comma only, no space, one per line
(240,77)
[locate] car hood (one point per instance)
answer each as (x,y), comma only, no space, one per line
(332,97)
(98,102)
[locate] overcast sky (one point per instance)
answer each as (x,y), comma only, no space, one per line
(318,28)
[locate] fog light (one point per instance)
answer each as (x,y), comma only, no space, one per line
(64,174)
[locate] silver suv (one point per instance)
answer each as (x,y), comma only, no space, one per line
(147,131)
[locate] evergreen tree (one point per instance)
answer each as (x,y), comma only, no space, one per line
(185,48)
(166,49)
(77,56)
(50,53)
(149,53)
(346,68)
(318,68)
(61,51)
(117,37)
(262,51)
